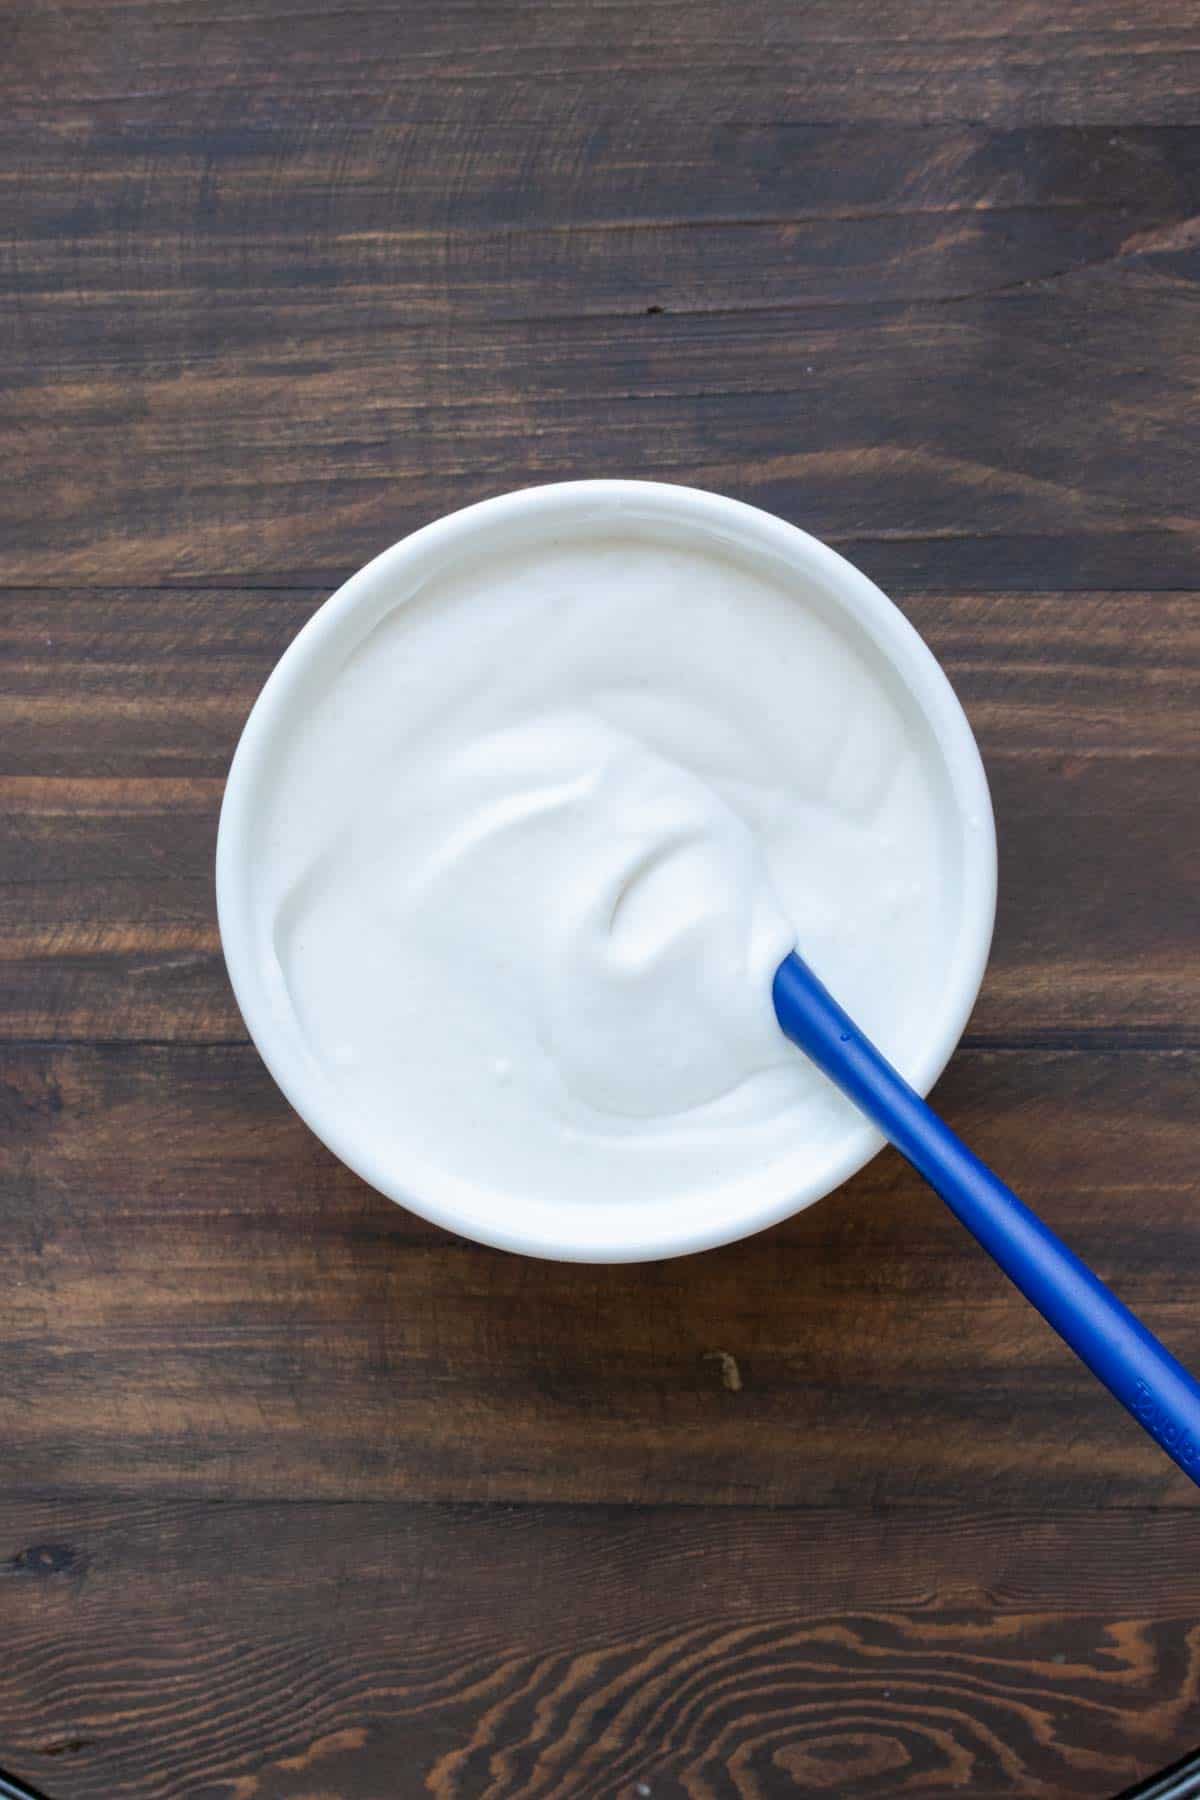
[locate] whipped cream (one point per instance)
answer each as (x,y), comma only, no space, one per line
(530,856)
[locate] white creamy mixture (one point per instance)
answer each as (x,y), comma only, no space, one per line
(530,864)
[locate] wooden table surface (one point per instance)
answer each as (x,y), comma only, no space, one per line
(301,1498)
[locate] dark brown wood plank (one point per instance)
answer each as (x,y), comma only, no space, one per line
(279,465)
(580,220)
(274,468)
(88,181)
(258,353)
(309,1652)
(120,712)
(1108,61)
(200,1298)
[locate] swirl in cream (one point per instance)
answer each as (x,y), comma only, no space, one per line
(529,867)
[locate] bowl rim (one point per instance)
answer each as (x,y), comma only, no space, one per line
(463,532)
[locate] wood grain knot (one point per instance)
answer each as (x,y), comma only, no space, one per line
(731,1374)
(44,1560)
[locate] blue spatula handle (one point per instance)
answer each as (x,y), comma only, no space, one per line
(1129,1360)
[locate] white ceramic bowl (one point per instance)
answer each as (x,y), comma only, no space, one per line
(522,519)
